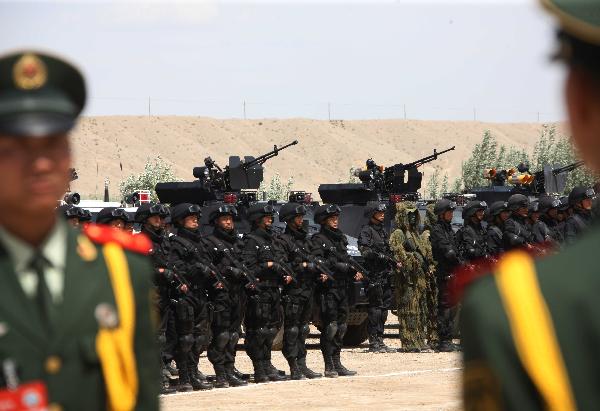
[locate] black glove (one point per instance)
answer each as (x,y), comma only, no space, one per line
(342,267)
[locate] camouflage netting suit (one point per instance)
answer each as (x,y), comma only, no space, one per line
(412,249)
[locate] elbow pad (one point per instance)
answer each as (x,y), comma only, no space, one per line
(451,255)
(342,267)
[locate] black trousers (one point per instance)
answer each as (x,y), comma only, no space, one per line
(297,308)
(334,310)
(262,322)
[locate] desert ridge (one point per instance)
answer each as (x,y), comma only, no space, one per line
(117,146)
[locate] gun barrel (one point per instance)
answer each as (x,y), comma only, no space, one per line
(263,158)
(567,168)
(428,159)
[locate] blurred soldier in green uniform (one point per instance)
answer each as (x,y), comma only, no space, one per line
(531,331)
(75,329)
(412,250)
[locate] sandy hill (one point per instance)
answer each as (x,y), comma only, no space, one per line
(326,152)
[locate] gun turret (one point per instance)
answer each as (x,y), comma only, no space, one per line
(380,183)
(214,183)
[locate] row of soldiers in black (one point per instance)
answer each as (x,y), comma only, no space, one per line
(263,280)
(503,226)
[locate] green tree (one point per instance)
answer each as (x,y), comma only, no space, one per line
(444,188)
(433,185)
(156,171)
(275,190)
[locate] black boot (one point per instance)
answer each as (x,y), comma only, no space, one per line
(341,370)
(374,344)
(330,371)
(295,373)
(259,373)
(165,386)
(231,378)
(184,381)
(273,373)
(195,380)
(220,377)
(308,373)
(240,375)
(445,346)
(382,347)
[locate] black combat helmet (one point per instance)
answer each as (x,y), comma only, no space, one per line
(258,211)
(183,210)
(146,210)
(218,211)
(517,201)
(548,203)
(325,211)
(375,208)
(580,193)
(472,207)
(444,205)
(108,214)
(495,209)
(564,203)
(291,210)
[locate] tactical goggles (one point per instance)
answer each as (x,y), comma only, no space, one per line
(194,209)
(332,209)
(380,208)
(555,203)
(158,209)
(84,215)
(451,206)
(300,210)
(590,193)
(119,213)
(227,209)
(482,204)
(73,212)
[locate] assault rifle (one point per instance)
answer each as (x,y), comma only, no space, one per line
(238,265)
(319,264)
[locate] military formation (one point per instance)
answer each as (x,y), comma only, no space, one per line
(214,288)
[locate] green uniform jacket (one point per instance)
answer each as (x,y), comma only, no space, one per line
(494,376)
(67,361)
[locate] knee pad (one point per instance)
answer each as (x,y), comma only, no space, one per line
(271,335)
(342,330)
(233,340)
(331,330)
(201,341)
(162,339)
(305,331)
(293,333)
(221,340)
(185,342)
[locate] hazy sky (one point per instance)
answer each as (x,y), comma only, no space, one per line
(351,60)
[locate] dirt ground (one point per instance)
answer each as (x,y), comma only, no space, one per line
(396,381)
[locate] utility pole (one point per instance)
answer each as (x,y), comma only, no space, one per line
(149,111)
(244,109)
(474,114)
(329,110)
(404,111)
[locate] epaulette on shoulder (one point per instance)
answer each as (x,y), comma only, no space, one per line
(100,234)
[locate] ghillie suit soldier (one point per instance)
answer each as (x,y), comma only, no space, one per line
(412,284)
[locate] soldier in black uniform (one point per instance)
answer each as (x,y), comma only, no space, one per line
(151,219)
(191,309)
(581,200)
(223,247)
(446,253)
(299,295)
(263,314)
(516,231)
(496,215)
(549,215)
(539,230)
(373,243)
(471,237)
(330,244)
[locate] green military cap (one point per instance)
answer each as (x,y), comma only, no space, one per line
(40,95)
(578,18)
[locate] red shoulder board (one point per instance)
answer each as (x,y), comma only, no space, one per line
(101,234)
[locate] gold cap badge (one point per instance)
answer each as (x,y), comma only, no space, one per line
(29,72)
